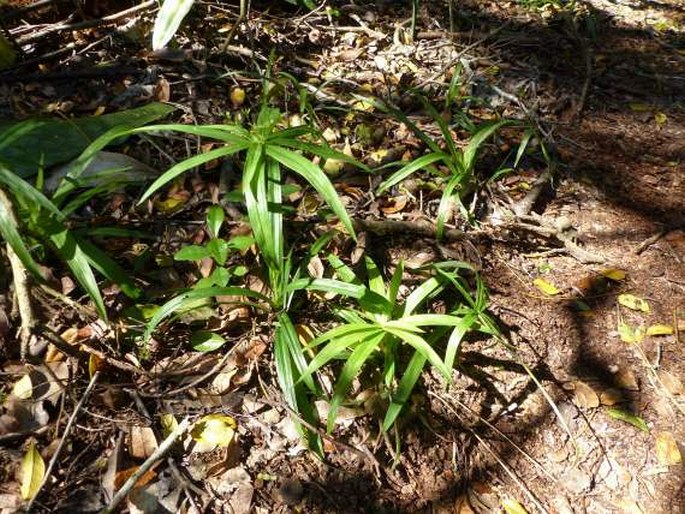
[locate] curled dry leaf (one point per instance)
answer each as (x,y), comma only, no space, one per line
(584,396)
(142,442)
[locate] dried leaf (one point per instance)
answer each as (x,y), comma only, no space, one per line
(214,429)
(633,302)
(628,506)
(237,97)
(628,335)
(32,472)
(585,397)
(667,452)
(546,287)
(660,330)
(513,507)
(169,424)
(23,389)
(660,118)
(672,383)
(142,442)
(614,274)
(123,476)
(95,363)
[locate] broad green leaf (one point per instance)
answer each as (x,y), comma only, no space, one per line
(205,341)
(322,151)
(191,253)
(168,21)
(417,164)
(26,146)
(274,196)
(32,472)
(395,283)
(214,429)
(633,302)
(328,285)
(316,178)
(215,218)
(218,250)
(342,270)
(422,320)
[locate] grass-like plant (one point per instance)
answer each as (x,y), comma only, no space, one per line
(44,224)
(459,162)
(384,324)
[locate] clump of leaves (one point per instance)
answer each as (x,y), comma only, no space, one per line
(459,162)
(383,324)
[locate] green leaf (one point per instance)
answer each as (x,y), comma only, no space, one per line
(421,346)
(527,135)
(191,162)
(404,389)
(215,218)
(19,186)
(315,177)
(189,297)
(350,370)
(341,338)
(628,417)
(205,341)
(421,293)
(218,250)
(27,146)
(9,233)
(168,21)
(108,267)
(375,278)
(77,260)
(32,472)
(447,202)
(481,135)
(456,337)
(191,253)
(417,164)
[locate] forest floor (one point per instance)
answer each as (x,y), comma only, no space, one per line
(587,281)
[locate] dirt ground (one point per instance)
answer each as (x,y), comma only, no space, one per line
(607,88)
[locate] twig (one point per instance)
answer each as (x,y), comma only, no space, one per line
(525,205)
(157,455)
(648,242)
(62,441)
(86,24)
(461,53)
(20,278)
(400,227)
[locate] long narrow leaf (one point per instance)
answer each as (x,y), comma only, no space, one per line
(481,135)
(168,21)
(417,164)
(108,268)
(314,176)
(341,338)
(19,186)
(421,293)
(11,235)
(351,369)
(192,162)
(420,344)
(76,259)
(447,201)
(456,337)
(404,389)
(188,298)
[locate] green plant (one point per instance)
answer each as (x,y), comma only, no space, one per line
(44,222)
(217,249)
(384,324)
(460,163)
